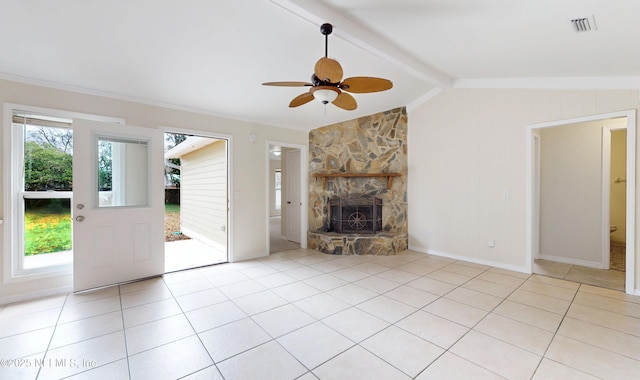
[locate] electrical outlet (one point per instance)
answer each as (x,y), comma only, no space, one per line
(491,243)
(429,234)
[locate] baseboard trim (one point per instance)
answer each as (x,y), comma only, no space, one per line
(33,295)
(475,260)
(567,260)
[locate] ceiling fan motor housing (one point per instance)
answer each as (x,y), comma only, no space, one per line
(326,29)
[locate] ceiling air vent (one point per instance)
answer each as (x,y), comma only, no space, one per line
(583,24)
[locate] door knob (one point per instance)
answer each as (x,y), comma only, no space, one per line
(80,206)
(79,218)
(289,202)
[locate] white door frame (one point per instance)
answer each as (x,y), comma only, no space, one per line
(229,138)
(606,192)
(630,285)
(304,185)
(536,194)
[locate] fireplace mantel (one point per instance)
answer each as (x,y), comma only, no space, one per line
(324,176)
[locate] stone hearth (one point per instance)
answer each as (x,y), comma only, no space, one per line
(383,243)
(375,144)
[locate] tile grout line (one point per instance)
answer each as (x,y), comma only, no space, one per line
(55,327)
(558,329)
(473,327)
(124,332)
(183,313)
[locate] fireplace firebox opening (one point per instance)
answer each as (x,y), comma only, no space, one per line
(355,214)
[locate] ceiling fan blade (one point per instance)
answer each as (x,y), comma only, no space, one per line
(346,102)
(365,84)
(288,84)
(301,99)
(328,70)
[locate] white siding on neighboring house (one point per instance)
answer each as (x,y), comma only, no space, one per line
(203,194)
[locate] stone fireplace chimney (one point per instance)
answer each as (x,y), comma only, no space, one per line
(357,192)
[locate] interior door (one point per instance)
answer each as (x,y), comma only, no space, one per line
(293,204)
(118,203)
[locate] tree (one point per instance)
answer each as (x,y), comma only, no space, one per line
(105,166)
(59,138)
(46,168)
(171,140)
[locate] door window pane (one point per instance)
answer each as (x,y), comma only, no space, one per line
(123,172)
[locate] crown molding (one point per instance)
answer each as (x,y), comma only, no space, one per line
(564,83)
(132,99)
(424,98)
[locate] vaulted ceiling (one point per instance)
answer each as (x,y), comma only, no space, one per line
(212,55)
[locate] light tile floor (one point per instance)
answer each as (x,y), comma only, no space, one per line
(303,314)
(277,242)
(611,279)
(191,253)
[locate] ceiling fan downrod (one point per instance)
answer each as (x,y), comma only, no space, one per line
(326,29)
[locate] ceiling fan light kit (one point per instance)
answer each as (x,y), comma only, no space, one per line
(327,85)
(325,94)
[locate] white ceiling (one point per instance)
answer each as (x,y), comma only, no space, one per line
(213,55)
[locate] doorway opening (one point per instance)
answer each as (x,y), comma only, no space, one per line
(287,203)
(570,199)
(196,200)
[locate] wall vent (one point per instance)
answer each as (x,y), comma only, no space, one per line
(583,24)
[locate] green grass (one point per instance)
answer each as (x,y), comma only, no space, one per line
(46,232)
(48,229)
(171,208)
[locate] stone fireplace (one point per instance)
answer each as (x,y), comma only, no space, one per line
(357,189)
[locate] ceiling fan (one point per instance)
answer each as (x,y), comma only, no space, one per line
(327,84)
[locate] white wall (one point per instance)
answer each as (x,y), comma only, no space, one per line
(571,193)
(467,162)
(249,160)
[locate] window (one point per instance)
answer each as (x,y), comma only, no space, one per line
(278,189)
(38,146)
(43,191)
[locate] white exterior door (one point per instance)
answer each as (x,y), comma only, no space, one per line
(118,203)
(293,204)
